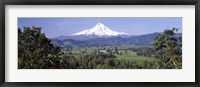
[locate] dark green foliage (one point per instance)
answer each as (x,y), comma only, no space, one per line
(145,51)
(35,50)
(169,47)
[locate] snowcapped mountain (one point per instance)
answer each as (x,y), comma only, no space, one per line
(99,30)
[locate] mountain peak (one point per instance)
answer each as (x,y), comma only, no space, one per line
(100,26)
(100,30)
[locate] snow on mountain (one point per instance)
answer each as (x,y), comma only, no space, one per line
(99,30)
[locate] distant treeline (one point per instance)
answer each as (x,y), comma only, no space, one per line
(35,51)
(141,40)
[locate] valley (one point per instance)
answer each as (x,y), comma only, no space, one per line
(110,57)
(102,48)
(99,48)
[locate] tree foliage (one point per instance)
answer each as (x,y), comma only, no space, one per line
(35,50)
(169,47)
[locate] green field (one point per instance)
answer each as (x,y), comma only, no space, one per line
(124,59)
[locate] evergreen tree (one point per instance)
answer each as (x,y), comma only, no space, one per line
(116,50)
(169,46)
(35,50)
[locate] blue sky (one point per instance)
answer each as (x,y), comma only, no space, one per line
(54,27)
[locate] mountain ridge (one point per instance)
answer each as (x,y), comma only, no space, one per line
(100,30)
(140,40)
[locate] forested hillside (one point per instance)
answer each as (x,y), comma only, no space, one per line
(152,51)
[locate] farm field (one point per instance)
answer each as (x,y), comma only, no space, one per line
(129,57)
(113,43)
